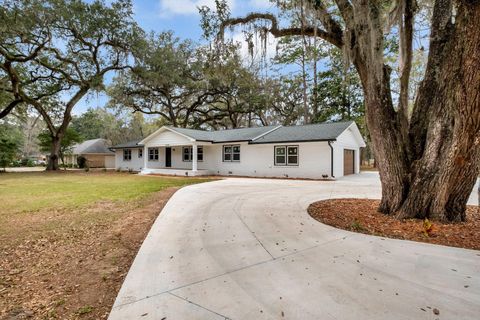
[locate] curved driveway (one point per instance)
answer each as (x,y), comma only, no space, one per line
(246,249)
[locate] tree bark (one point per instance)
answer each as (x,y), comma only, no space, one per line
(315,77)
(54,154)
(432,174)
(306,109)
(365,47)
(444,176)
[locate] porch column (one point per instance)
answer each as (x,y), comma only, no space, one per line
(194,157)
(145,157)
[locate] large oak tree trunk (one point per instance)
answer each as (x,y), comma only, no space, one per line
(365,47)
(443,176)
(429,168)
(54,154)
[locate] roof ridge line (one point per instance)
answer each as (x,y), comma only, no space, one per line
(182,128)
(316,124)
(244,128)
(219,130)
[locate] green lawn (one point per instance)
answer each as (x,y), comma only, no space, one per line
(27,192)
(89,223)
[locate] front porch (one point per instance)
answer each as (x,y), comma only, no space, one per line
(177,159)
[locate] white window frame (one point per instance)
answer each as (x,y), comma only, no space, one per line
(284,155)
(140,153)
(127,154)
(231,153)
(189,151)
(153,154)
(287,163)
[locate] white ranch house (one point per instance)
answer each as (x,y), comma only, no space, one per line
(316,151)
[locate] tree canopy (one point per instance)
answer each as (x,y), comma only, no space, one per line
(53,53)
(186,84)
(10,144)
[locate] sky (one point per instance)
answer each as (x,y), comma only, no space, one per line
(182,17)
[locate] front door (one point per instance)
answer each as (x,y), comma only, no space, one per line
(168,157)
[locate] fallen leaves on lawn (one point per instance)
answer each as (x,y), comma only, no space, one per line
(70,264)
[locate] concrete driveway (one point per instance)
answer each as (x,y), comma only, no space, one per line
(247,249)
(25,169)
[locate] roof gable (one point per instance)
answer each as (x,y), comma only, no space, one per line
(354,132)
(162,130)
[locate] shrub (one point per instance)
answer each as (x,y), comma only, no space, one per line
(16,163)
(26,162)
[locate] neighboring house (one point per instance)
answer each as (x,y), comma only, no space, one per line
(327,150)
(96,151)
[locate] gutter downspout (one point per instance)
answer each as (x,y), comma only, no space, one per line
(331,157)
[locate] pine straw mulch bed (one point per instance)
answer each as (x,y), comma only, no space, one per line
(361,215)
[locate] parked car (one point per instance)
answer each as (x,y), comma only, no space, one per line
(40,162)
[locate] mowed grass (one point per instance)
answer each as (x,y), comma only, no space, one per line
(27,192)
(67,239)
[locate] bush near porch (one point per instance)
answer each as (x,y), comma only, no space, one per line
(67,239)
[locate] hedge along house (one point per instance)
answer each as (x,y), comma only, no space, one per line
(316,151)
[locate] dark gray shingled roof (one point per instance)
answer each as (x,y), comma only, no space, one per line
(97,146)
(230,135)
(268,134)
(129,144)
(310,132)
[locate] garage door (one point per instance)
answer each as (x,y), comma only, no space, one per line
(109,161)
(348,162)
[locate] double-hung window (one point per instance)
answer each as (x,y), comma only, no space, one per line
(153,154)
(187,154)
(286,155)
(127,154)
(231,153)
(140,153)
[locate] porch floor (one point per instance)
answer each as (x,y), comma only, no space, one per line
(176,172)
